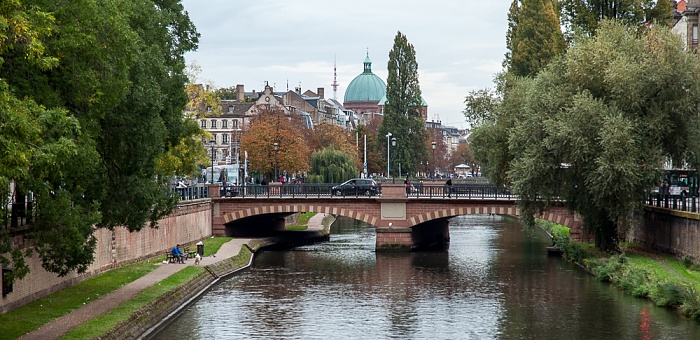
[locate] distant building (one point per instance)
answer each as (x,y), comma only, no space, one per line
(364,93)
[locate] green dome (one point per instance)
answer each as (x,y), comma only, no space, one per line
(367,87)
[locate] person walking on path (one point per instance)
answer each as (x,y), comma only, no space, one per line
(448,184)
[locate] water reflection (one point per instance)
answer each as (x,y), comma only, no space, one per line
(496,282)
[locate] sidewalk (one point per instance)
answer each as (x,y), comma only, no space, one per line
(68,322)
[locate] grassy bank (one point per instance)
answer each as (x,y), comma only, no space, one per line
(35,314)
(664,280)
(302,221)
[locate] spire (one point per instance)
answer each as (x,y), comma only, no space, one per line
(335,82)
(368,63)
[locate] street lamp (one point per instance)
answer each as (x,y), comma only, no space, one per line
(388,155)
(393,145)
(275,146)
(212,142)
(433,143)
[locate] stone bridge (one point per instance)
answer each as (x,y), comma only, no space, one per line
(402,223)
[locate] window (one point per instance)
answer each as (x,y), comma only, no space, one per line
(230,109)
(225,138)
(695,34)
(235,124)
(213,123)
(203,124)
(208,108)
(224,124)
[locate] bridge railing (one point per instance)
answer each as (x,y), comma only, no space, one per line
(469,191)
(192,192)
(673,202)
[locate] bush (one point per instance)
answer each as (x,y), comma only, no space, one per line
(667,294)
(691,302)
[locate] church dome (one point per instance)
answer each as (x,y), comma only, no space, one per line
(367,87)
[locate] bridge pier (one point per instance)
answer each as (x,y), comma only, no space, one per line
(432,235)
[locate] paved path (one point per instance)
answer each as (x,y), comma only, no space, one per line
(60,326)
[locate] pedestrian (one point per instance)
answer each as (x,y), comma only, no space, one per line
(407,183)
(448,184)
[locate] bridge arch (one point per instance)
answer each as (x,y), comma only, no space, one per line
(394,218)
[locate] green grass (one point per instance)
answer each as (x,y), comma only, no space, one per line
(302,221)
(35,314)
(305,217)
(212,245)
(109,320)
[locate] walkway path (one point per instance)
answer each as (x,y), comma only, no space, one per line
(60,326)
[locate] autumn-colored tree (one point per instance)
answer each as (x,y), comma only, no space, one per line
(376,157)
(462,154)
(326,134)
(439,157)
(273,125)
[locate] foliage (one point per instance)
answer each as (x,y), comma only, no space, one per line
(326,135)
(333,166)
(403,108)
(376,154)
(227,93)
(273,125)
(534,37)
(541,141)
(586,16)
(102,88)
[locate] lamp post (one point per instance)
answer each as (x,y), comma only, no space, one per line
(433,144)
(388,154)
(393,145)
(212,143)
(275,146)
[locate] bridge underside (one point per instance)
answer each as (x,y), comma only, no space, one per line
(428,236)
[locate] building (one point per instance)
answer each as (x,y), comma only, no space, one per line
(364,93)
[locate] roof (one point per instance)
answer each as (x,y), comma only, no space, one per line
(366,87)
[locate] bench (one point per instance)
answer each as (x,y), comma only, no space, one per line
(170,257)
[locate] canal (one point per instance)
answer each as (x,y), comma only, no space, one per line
(495,282)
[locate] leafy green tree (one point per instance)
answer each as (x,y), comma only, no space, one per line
(534,37)
(332,166)
(585,16)
(595,126)
(103,94)
(402,111)
(227,93)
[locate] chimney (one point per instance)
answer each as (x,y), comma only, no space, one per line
(320,92)
(240,92)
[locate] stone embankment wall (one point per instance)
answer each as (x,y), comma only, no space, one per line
(155,316)
(189,223)
(669,231)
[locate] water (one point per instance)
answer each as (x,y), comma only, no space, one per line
(496,282)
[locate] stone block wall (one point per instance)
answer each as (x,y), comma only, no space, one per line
(668,231)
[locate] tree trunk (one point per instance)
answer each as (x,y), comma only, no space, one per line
(606,237)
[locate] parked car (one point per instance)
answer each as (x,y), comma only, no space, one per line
(356,187)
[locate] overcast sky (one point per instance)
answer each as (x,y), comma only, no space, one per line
(459,44)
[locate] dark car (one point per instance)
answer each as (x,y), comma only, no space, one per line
(356,187)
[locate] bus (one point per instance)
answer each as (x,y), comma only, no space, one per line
(227,172)
(679,183)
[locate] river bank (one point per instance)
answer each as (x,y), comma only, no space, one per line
(147,297)
(662,279)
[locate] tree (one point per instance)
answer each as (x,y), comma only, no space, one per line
(272,125)
(595,126)
(534,37)
(227,93)
(402,111)
(326,134)
(103,94)
(332,166)
(586,16)
(376,158)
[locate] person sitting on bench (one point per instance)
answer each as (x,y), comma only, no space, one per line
(178,255)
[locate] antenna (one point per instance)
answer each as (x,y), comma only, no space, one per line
(335,82)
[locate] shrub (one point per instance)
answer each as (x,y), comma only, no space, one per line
(667,294)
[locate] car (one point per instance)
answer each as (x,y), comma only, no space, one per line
(356,187)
